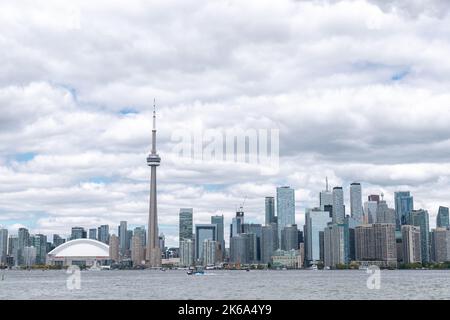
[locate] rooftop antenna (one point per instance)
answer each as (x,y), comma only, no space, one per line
(382,196)
(326,179)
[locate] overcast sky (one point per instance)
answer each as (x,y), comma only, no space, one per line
(358,90)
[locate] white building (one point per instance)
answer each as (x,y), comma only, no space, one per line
(82,252)
(209,252)
(187,253)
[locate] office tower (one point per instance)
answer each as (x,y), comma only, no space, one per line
(376,242)
(29,256)
(420,218)
(384,213)
(186,224)
(336,245)
(338,205)
(326,199)
(23,241)
(236,223)
(267,246)
(39,241)
(351,223)
(153,160)
(276,242)
(13,248)
(162,242)
(269,210)
(289,238)
(374,197)
(3,245)
(218,220)
(103,233)
(137,250)
(141,232)
(187,253)
(404,205)
(411,244)
(370,211)
(315,222)
(93,233)
(78,233)
(209,252)
(442,219)
(285,208)
(114,245)
(255,242)
(123,235)
(57,240)
(203,232)
(440,245)
(238,249)
(128,244)
(356,206)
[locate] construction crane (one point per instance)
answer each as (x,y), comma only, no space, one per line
(241,208)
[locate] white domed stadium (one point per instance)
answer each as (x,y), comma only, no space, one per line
(81,252)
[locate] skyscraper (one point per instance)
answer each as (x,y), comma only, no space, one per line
(57,240)
(256,229)
(411,244)
(123,236)
(376,242)
(103,233)
(186,224)
(285,208)
(3,245)
(23,241)
(338,205)
(289,238)
(153,160)
(267,246)
(370,211)
(420,219)
(141,232)
(39,241)
(356,208)
(404,205)
(440,245)
(326,198)
(316,221)
(114,248)
(239,249)
(78,233)
(384,213)
(203,232)
(137,249)
(269,210)
(442,219)
(336,245)
(219,222)
(209,252)
(237,223)
(187,253)
(93,233)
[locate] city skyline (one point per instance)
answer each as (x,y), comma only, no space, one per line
(76,114)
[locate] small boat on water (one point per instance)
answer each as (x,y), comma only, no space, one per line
(197,272)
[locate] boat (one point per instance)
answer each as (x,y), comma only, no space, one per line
(197,272)
(314,267)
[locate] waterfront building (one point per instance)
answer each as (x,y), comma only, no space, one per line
(39,242)
(336,245)
(255,241)
(219,222)
(203,232)
(285,208)
(376,242)
(123,235)
(411,244)
(29,256)
(23,241)
(316,221)
(3,245)
(187,253)
(137,249)
(239,249)
(440,245)
(267,247)
(356,207)
(80,252)
(289,238)
(286,259)
(420,219)
(209,252)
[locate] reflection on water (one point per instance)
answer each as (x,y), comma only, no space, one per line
(176,284)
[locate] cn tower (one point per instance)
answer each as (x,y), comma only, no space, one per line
(153,160)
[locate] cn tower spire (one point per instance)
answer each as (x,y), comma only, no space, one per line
(153,255)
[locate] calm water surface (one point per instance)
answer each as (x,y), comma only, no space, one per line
(176,284)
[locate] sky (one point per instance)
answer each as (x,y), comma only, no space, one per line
(357,89)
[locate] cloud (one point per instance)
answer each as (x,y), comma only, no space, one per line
(358,90)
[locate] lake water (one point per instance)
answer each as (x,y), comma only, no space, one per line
(227,285)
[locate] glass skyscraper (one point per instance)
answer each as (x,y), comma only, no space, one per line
(3,245)
(186,224)
(285,208)
(270,210)
(404,205)
(338,205)
(420,218)
(442,220)
(203,232)
(316,221)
